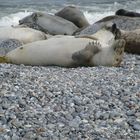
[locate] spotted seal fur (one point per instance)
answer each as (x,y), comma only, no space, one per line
(132,39)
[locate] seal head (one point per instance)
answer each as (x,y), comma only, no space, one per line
(123,12)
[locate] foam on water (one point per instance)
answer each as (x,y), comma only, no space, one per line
(93,17)
(93,13)
(13,19)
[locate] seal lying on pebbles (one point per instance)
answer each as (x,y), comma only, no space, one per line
(69,51)
(122,22)
(74,15)
(132,39)
(7,45)
(123,12)
(104,33)
(49,23)
(24,35)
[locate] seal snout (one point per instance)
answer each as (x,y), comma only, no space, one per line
(112,27)
(20,22)
(116,31)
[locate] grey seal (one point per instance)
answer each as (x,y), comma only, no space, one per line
(129,30)
(23,34)
(122,22)
(47,23)
(132,39)
(74,15)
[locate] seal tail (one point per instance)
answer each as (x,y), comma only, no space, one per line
(3,59)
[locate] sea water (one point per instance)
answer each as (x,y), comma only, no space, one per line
(11,11)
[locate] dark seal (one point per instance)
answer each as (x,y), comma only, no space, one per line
(123,12)
(74,15)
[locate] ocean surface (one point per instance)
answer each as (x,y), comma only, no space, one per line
(11,11)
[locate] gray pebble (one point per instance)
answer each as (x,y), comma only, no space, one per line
(75,122)
(136,126)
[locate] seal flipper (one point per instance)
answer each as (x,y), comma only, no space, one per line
(84,56)
(118,47)
(3,59)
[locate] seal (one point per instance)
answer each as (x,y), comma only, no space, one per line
(74,15)
(7,45)
(24,35)
(132,39)
(122,22)
(68,51)
(47,23)
(123,12)
(104,33)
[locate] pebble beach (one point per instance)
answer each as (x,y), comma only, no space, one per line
(57,103)
(84,103)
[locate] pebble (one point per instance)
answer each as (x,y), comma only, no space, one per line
(131,113)
(75,122)
(136,127)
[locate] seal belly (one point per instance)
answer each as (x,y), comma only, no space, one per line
(55,51)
